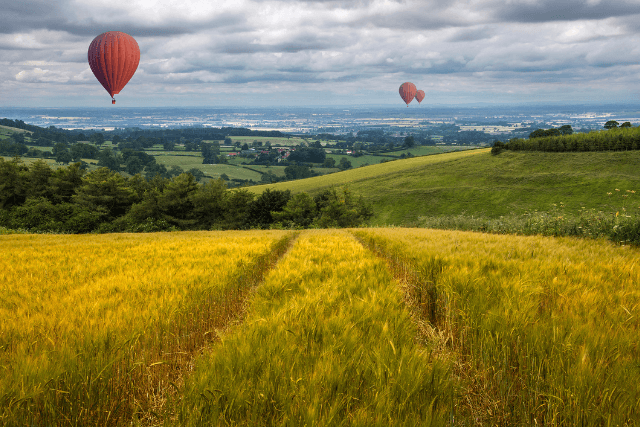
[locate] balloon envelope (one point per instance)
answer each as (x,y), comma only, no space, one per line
(419,96)
(407,92)
(113,58)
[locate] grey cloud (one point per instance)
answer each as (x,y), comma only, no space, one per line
(289,76)
(448,66)
(471,34)
(27,15)
(411,20)
(296,42)
(20,16)
(562,10)
(272,77)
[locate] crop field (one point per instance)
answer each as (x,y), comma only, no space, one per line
(545,331)
(94,328)
(370,327)
(183,159)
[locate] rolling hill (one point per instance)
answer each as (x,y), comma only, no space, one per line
(477,183)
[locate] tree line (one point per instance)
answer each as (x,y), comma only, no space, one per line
(69,199)
(51,135)
(613,138)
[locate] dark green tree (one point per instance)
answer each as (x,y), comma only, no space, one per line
(409,142)
(341,209)
(175,171)
(41,215)
(38,177)
(176,201)
(61,153)
(611,124)
(146,213)
(329,162)
(154,169)
(497,148)
(14,182)
(298,172)
(106,192)
(18,137)
(108,159)
(566,129)
(64,182)
(259,211)
(299,212)
(197,174)
(97,138)
(209,204)
(81,150)
(236,205)
(269,177)
(344,164)
(133,165)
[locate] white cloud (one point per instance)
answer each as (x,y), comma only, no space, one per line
(38,75)
(200,46)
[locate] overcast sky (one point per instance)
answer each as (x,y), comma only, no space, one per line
(324,52)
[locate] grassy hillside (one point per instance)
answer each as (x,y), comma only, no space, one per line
(477,183)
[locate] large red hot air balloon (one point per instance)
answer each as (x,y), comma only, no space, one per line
(419,96)
(113,58)
(407,92)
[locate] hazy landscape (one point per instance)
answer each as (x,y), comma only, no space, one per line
(319,213)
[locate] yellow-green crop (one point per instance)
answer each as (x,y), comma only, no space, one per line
(360,327)
(328,341)
(547,330)
(85,317)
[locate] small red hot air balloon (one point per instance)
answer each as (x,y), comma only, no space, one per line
(419,96)
(113,58)
(407,92)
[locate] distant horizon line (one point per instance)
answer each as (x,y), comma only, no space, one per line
(356,106)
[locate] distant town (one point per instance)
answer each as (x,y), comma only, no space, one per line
(449,125)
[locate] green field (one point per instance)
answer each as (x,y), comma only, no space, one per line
(477,183)
(8,130)
(369,159)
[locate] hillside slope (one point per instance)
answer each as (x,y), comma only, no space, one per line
(478,183)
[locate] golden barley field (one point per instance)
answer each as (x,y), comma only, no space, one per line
(79,311)
(387,326)
(545,330)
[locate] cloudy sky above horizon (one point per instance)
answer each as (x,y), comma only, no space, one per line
(325,52)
